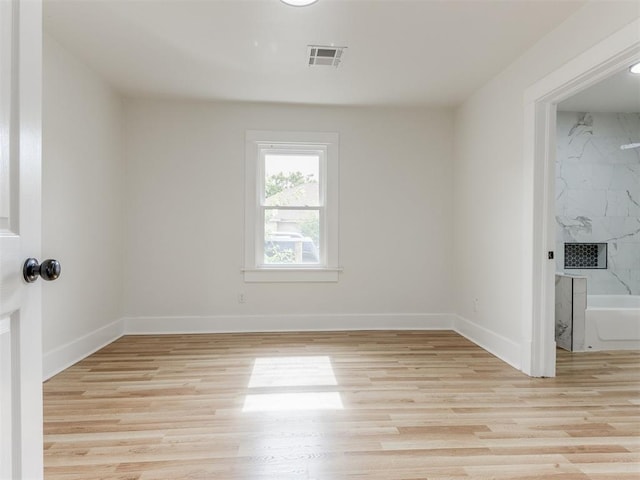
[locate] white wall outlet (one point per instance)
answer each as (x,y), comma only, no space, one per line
(475,304)
(241,298)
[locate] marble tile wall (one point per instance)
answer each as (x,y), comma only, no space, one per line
(598,195)
(564,309)
(570,316)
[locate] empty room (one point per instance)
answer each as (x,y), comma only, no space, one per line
(330,239)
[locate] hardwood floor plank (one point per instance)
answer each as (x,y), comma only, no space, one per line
(408,406)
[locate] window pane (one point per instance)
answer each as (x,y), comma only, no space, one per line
(291,236)
(292,180)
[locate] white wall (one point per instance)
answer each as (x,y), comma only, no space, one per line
(82,207)
(488,178)
(185,194)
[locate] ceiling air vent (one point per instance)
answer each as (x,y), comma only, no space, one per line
(322,55)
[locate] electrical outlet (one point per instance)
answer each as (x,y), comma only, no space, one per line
(241,298)
(475,304)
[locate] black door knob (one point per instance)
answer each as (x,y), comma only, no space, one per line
(49,270)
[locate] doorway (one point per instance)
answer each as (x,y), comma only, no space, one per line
(597,212)
(614,54)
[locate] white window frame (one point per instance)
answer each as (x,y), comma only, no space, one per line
(260,142)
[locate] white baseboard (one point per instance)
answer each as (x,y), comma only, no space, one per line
(58,359)
(63,357)
(506,350)
(284,323)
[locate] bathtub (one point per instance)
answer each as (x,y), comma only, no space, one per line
(612,322)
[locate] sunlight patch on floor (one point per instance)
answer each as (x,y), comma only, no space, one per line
(286,375)
(292,372)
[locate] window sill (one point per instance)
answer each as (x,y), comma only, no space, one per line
(293,275)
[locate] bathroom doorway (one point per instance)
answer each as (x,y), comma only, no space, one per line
(609,57)
(597,214)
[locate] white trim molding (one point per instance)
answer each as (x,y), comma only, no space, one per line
(63,357)
(58,359)
(506,350)
(288,323)
(611,55)
(285,275)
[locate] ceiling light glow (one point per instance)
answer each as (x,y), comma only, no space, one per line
(298,3)
(635,69)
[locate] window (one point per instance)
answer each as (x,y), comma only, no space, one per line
(291,211)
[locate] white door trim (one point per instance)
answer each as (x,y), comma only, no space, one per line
(611,55)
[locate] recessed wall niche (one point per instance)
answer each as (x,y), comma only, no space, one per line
(585,255)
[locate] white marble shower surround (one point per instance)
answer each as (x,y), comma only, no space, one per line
(598,195)
(570,311)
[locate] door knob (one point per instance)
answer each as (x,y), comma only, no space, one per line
(49,270)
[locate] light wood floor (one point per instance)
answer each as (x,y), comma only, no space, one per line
(415,405)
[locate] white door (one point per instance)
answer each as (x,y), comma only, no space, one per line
(20,310)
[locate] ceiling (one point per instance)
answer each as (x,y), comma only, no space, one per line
(421,52)
(619,93)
